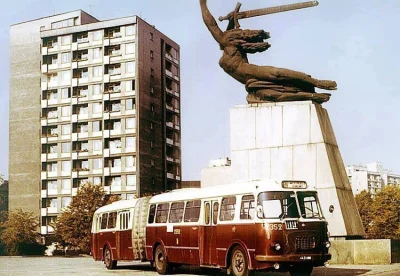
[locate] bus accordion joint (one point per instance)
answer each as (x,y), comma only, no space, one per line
(294,184)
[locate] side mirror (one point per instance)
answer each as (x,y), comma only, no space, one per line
(260,212)
(331,209)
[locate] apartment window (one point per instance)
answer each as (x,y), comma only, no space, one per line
(129,104)
(151,36)
(52,185)
(53,148)
(52,95)
(66,184)
(66,40)
(66,166)
(130,123)
(83,110)
(82,38)
(116,163)
(97,108)
(117,125)
(97,180)
(131,161)
(152,71)
(130,30)
(65,111)
(66,129)
(152,162)
(65,202)
(65,93)
(116,181)
(66,147)
(97,71)
(130,142)
(85,165)
(131,180)
(130,67)
(96,53)
(66,57)
(52,203)
(97,163)
(115,144)
(151,89)
(96,126)
(130,85)
(52,167)
(65,77)
(97,35)
(96,89)
(52,79)
(151,54)
(83,129)
(97,146)
(130,48)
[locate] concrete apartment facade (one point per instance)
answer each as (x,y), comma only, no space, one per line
(91,101)
(371,177)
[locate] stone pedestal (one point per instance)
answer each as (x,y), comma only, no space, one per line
(294,141)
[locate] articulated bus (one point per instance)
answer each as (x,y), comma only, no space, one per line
(242,227)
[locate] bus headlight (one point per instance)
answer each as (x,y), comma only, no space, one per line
(276,246)
(327,244)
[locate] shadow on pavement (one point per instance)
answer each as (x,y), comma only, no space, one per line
(320,271)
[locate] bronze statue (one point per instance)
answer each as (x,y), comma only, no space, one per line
(263,83)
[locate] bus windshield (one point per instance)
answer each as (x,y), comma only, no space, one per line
(284,205)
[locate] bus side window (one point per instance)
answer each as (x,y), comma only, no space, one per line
(104,221)
(176,213)
(228,206)
(162,213)
(112,220)
(247,208)
(152,213)
(192,211)
(215,212)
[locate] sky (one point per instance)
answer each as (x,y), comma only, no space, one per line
(355,43)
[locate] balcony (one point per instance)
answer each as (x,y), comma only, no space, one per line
(170,141)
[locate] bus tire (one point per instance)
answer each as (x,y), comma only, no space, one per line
(108,261)
(239,262)
(301,270)
(160,261)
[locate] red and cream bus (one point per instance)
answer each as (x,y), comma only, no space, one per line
(243,227)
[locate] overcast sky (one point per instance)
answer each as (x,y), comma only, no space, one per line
(353,42)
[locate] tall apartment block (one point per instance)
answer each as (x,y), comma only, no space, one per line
(91,101)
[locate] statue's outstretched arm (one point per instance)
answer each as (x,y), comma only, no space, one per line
(211,23)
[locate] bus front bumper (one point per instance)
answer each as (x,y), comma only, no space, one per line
(295,258)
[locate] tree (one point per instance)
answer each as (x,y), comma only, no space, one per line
(364,203)
(20,235)
(73,226)
(380,215)
(386,216)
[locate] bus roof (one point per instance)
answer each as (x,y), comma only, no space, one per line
(245,187)
(117,205)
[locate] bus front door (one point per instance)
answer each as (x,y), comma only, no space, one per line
(208,251)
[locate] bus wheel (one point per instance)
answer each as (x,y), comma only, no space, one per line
(239,262)
(160,261)
(301,270)
(110,263)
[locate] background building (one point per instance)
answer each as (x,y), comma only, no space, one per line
(371,177)
(94,101)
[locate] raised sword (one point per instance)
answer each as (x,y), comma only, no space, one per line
(235,15)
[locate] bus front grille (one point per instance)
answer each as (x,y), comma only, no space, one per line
(305,243)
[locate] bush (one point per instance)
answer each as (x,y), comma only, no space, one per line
(19,234)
